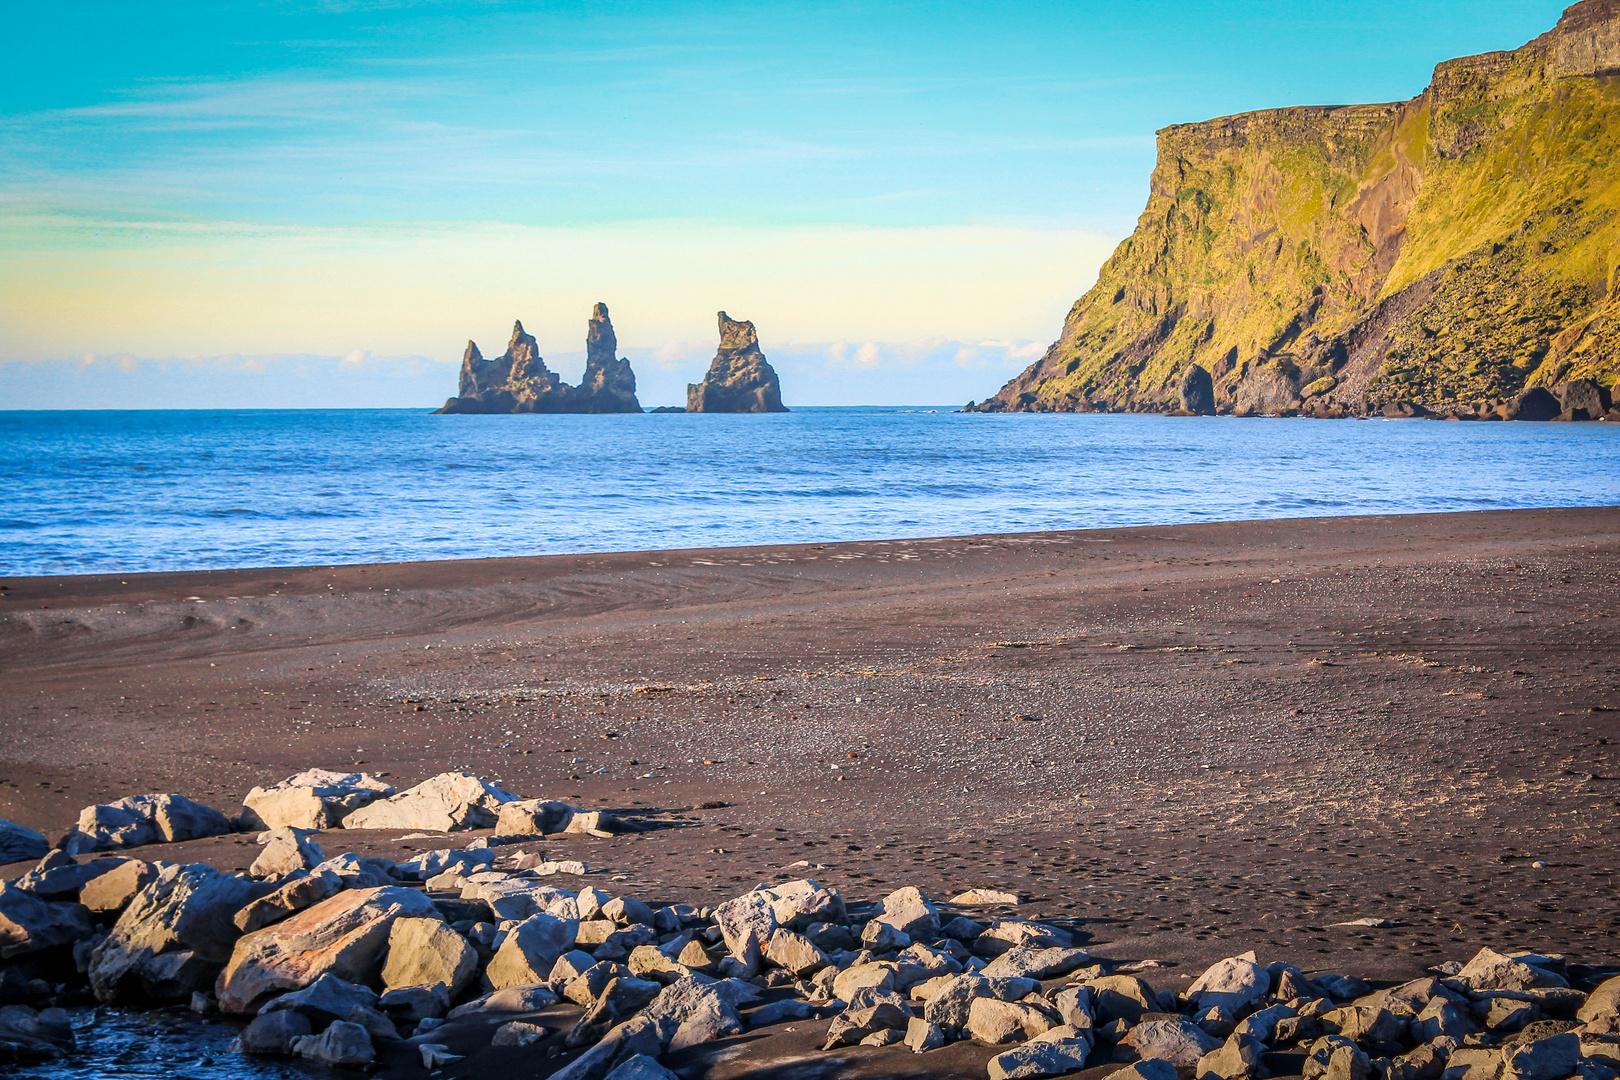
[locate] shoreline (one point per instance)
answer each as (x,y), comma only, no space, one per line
(1194,740)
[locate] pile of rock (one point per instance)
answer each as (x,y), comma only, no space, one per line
(332,960)
(313,801)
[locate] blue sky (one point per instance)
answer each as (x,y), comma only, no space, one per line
(205,181)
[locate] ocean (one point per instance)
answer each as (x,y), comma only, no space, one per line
(103,491)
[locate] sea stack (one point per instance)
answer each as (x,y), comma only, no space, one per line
(740,379)
(518,381)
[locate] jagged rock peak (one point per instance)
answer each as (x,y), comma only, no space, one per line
(601,346)
(740,379)
(519,381)
(736,334)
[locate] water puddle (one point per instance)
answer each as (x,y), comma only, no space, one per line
(163,1045)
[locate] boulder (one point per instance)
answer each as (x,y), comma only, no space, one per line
(533,817)
(326,999)
(173,936)
(29,924)
(1180,1042)
(294,895)
(345,935)
(627,912)
(1334,1057)
(1006,934)
(1150,1069)
(110,893)
(426,952)
(357,872)
(286,849)
(962,928)
(19,842)
(341,1044)
(519,1033)
(570,965)
(986,897)
(798,904)
(652,962)
(430,864)
(58,876)
(1238,1058)
(1505,1014)
(516,898)
(870,1009)
(1036,963)
(795,953)
(1262,1023)
(313,799)
(143,819)
(531,950)
(1492,970)
(1232,984)
(443,803)
(746,924)
(1054,1052)
(644,1035)
(995,1022)
(511,999)
(1543,1059)
(1122,997)
(778,1011)
(1441,1016)
(1473,1063)
(416,1003)
(911,913)
(696,1012)
(950,1006)
(592,823)
(1601,1002)
(922,1036)
(621,998)
(589,985)
(641,1067)
(274,1033)
(1364,1024)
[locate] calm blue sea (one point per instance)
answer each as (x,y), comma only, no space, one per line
(92,492)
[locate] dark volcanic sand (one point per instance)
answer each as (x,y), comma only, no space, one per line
(1198,739)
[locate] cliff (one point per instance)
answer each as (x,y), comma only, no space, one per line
(740,379)
(518,380)
(1456,254)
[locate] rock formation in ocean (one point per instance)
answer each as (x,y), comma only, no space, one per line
(1441,256)
(740,379)
(518,381)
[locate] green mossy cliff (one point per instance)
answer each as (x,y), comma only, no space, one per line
(1444,255)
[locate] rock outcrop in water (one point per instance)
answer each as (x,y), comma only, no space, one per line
(518,381)
(1443,256)
(740,379)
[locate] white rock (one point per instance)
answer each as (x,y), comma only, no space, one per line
(443,803)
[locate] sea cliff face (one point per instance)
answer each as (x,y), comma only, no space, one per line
(1456,254)
(518,381)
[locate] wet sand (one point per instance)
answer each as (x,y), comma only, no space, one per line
(1194,740)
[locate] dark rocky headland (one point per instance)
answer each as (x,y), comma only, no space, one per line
(740,379)
(1456,255)
(518,381)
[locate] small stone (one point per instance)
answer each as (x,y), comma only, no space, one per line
(984,897)
(1150,1069)
(1337,1058)
(285,850)
(519,1033)
(437,1055)
(922,1036)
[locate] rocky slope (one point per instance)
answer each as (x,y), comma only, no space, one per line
(1457,254)
(518,381)
(740,379)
